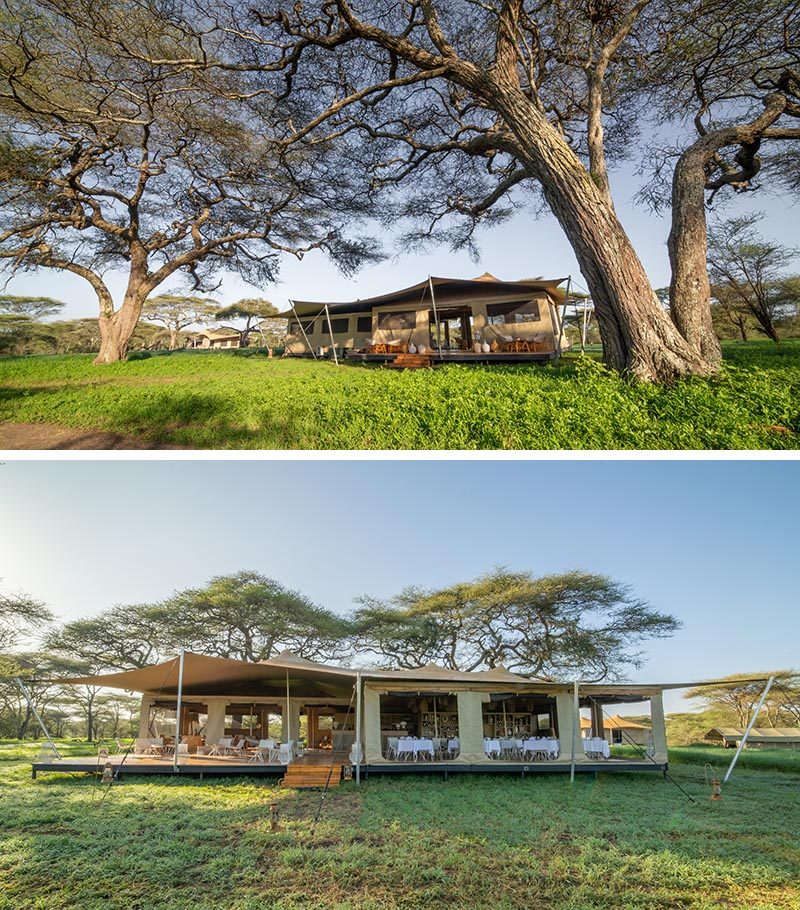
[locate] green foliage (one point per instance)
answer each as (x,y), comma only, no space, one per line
(561,626)
(219,401)
(248,617)
(618,842)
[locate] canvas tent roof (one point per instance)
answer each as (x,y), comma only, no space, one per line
(205,675)
(614,723)
(416,292)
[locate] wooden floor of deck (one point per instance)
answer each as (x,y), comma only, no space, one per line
(210,766)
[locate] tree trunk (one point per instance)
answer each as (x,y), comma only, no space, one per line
(173,339)
(690,290)
(639,338)
(117,328)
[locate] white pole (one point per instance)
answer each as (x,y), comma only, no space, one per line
(358,729)
(35,713)
(303,330)
(585,325)
(575,721)
(563,314)
(178,713)
(287,732)
(750,726)
(330,330)
(436,319)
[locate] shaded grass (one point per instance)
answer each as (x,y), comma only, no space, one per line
(221,401)
(617,841)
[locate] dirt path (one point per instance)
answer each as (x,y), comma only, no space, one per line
(55,436)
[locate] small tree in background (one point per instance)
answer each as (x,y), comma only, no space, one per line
(736,697)
(30,307)
(252,310)
(178,312)
(747,272)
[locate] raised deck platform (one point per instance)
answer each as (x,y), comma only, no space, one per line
(456,357)
(206,766)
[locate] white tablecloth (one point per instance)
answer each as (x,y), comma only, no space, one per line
(597,744)
(542,744)
(491,746)
(406,745)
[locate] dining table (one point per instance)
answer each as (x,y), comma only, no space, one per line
(596,747)
(410,745)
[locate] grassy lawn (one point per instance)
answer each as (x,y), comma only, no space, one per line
(225,401)
(620,841)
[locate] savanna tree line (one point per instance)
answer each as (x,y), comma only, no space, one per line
(570,625)
(28,325)
(176,140)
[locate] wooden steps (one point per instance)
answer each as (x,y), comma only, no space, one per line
(299,776)
(410,362)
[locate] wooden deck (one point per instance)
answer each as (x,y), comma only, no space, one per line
(456,357)
(318,763)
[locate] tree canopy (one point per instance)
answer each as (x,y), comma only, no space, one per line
(252,310)
(737,696)
(122,153)
(573,624)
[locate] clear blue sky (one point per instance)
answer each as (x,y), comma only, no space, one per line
(715,543)
(520,248)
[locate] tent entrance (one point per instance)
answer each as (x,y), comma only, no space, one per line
(454,329)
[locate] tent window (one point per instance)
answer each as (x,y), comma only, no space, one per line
(364,325)
(510,313)
(394,321)
(340,326)
(616,736)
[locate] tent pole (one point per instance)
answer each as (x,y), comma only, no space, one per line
(330,331)
(436,319)
(358,728)
(576,713)
(563,315)
(303,330)
(750,726)
(287,733)
(35,713)
(178,713)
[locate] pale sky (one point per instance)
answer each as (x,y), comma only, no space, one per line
(520,248)
(714,543)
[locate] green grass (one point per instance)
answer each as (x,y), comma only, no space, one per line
(627,842)
(223,401)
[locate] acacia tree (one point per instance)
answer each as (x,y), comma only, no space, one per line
(731,70)
(563,625)
(747,270)
(178,312)
(738,695)
(126,155)
(251,310)
(514,88)
(248,616)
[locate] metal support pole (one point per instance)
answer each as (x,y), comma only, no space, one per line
(179,711)
(303,330)
(35,713)
(750,726)
(563,315)
(358,729)
(287,726)
(436,319)
(330,330)
(576,713)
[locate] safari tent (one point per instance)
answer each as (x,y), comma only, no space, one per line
(759,737)
(467,320)
(377,721)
